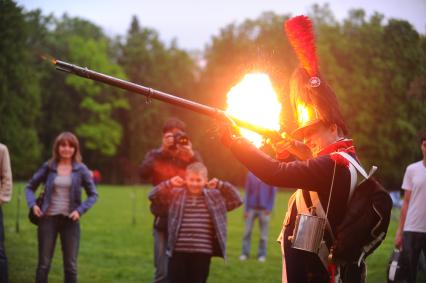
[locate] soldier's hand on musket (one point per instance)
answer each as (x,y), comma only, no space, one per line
(228,129)
(290,146)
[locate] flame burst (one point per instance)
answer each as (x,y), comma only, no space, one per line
(49,58)
(254,100)
(306,114)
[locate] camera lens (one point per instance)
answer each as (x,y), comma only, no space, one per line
(181,139)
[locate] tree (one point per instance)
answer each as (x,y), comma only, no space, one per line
(148,61)
(377,69)
(99,129)
(70,103)
(372,68)
(19,91)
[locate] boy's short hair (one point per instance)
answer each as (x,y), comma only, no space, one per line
(173,123)
(198,168)
(422,137)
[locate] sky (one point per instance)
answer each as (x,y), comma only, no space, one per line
(194,22)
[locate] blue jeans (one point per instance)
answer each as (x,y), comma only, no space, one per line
(413,244)
(263,216)
(160,257)
(3,259)
(69,233)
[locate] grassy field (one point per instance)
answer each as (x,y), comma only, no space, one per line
(116,243)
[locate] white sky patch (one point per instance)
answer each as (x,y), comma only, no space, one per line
(194,22)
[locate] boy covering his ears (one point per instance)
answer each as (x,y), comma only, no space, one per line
(197,221)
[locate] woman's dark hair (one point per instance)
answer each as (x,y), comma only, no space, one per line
(62,138)
(173,123)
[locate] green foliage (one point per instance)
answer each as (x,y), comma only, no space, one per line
(19,90)
(74,104)
(376,67)
(99,130)
(372,67)
(148,61)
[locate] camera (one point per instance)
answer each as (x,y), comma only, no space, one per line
(179,138)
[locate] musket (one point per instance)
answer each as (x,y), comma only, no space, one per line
(151,93)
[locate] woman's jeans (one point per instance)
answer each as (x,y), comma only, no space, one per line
(69,233)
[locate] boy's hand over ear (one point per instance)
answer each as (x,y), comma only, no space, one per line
(177,181)
(212,184)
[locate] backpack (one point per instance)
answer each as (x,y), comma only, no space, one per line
(365,224)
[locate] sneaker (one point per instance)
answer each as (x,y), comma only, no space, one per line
(261,259)
(243,257)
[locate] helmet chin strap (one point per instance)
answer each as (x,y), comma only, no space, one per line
(336,140)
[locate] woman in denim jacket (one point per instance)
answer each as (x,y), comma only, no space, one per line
(63,176)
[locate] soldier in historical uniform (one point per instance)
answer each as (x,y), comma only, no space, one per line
(323,179)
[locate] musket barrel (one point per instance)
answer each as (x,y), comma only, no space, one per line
(159,95)
(132,87)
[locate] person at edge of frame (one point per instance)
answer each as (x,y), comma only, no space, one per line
(411,233)
(5,196)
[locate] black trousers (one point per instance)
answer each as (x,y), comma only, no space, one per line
(3,259)
(413,244)
(189,268)
(306,267)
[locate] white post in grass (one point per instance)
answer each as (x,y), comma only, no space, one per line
(18,211)
(133,197)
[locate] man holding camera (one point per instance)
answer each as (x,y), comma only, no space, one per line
(159,165)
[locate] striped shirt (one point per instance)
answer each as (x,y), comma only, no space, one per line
(196,230)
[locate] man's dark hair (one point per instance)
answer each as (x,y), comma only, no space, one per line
(173,123)
(422,136)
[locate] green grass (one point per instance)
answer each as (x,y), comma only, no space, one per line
(116,243)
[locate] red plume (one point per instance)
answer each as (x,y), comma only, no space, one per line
(301,36)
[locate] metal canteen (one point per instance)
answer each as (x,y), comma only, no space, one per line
(308,232)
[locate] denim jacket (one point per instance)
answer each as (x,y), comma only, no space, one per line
(219,201)
(80,177)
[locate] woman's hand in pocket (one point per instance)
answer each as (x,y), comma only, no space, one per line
(37,211)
